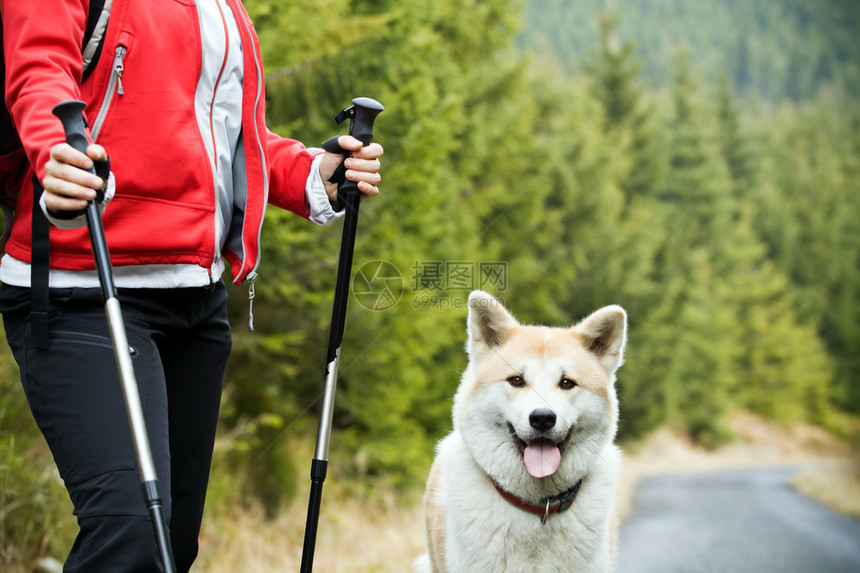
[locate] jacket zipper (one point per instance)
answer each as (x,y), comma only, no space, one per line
(114,85)
(249,281)
(252,274)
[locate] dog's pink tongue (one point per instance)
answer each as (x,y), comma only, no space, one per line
(541,458)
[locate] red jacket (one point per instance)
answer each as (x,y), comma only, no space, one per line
(164,208)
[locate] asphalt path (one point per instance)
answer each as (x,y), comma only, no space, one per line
(738,521)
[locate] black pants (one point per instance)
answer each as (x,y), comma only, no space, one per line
(180,341)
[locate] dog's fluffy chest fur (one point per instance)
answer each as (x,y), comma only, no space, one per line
(488,533)
(535,414)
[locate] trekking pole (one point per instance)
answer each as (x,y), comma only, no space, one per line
(361,115)
(70,113)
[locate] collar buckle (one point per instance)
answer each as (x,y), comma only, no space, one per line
(566,499)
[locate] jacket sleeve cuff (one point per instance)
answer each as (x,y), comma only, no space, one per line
(321,210)
(81,219)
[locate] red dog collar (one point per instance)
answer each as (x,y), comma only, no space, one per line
(556,504)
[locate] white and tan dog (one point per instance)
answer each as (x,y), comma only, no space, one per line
(527,480)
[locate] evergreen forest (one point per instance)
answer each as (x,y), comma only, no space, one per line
(697,163)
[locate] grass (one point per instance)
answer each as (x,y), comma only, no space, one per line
(35,511)
(378,533)
(354,535)
(836,485)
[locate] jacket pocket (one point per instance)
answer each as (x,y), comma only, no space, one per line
(114,88)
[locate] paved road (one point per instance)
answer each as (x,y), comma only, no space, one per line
(739,521)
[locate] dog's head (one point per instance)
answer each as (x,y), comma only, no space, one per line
(537,404)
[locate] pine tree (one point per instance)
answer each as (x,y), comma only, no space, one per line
(614,72)
(734,146)
(627,113)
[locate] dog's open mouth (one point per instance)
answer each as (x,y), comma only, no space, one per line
(541,456)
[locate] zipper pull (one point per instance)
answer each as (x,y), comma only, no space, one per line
(118,67)
(251,294)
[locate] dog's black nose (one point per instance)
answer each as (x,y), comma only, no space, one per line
(542,419)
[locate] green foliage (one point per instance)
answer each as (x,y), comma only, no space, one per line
(35,511)
(810,196)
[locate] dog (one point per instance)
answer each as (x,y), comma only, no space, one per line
(527,479)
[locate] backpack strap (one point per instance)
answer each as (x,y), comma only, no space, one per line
(94,33)
(39,271)
(8,217)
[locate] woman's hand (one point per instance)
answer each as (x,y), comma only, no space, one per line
(68,183)
(362,167)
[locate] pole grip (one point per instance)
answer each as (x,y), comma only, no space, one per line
(71,115)
(365,111)
(362,115)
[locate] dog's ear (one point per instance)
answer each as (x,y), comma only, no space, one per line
(604,333)
(490,324)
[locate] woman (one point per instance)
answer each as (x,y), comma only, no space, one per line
(177,99)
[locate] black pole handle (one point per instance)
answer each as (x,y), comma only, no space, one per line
(361,115)
(71,115)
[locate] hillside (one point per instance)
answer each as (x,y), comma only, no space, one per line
(772,48)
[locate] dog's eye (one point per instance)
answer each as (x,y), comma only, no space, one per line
(516,381)
(567,384)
